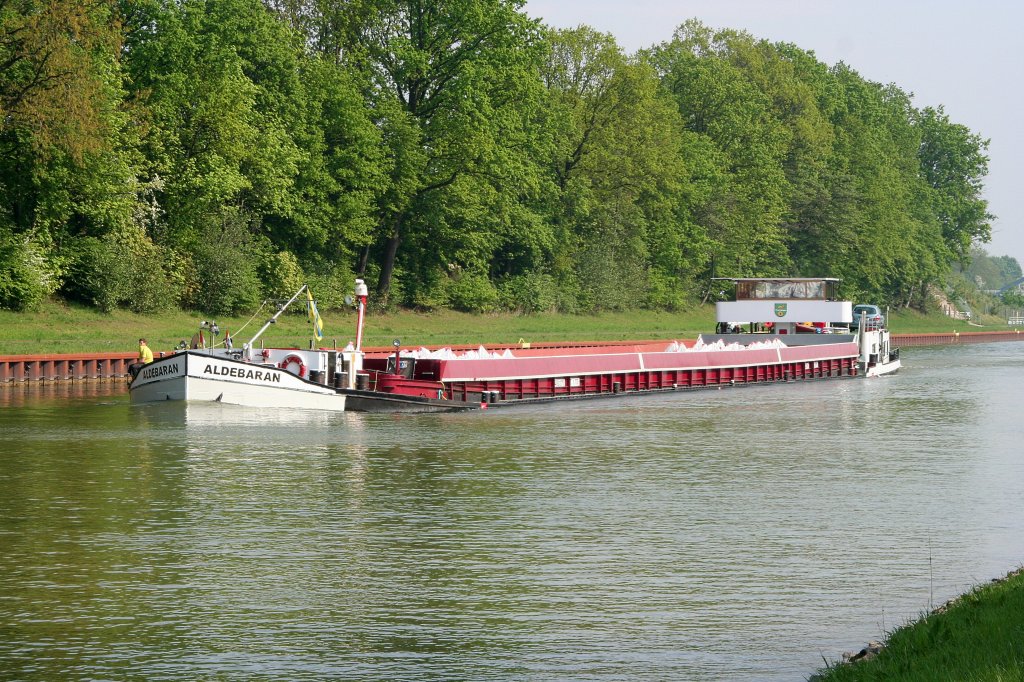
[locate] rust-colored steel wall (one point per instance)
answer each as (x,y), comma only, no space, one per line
(951,338)
(64,367)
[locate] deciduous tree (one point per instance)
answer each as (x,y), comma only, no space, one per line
(454,82)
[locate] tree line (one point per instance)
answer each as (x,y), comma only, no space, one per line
(207,154)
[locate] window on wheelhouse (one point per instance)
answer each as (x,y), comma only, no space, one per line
(786,289)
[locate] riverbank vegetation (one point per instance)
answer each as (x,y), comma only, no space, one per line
(207,154)
(974,637)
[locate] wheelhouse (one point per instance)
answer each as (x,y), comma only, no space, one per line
(783,305)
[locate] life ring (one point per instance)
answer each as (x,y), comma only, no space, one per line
(297,360)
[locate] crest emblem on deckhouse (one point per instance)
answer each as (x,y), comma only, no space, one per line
(780,309)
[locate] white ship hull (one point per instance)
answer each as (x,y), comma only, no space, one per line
(882,368)
(877,356)
(202,377)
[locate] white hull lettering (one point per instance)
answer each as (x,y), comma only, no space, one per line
(244,373)
(158,371)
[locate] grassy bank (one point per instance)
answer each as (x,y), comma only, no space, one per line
(61,328)
(978,636)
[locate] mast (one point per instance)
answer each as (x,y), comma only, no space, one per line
(280,310)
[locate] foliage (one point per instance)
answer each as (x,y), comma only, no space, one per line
(619,168)
(743,145)
(970,294)
(123,268)
(27,277)
(992,272)
(281,275)
(530,292)
(330,284)
(210,153)
(456,83)
(1013,298)
(953,163)
(225,259)
(55,62)
(472,293)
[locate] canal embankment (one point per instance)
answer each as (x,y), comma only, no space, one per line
(955,337)
(976,636)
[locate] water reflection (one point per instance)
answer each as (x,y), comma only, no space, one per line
(27,393)
(736,534)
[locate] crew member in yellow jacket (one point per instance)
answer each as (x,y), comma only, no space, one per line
(145,357)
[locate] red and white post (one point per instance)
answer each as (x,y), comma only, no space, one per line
(361,295)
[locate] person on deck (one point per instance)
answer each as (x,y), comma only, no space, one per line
(144,358)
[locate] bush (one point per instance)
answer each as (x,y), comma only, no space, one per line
(123,268)
(228,281)
(81,284)
(226,260)
(28,273)
(529,293)
(615,279)
(472,293)
(457,290)
(1013,298)
(180,270)
(330,283)
(430,291)
(281,274)
(665,292)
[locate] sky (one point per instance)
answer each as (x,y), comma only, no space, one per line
(965,56)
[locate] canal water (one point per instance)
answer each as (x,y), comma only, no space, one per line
(738,534)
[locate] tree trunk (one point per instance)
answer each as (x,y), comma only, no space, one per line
(388,266)
(364,260)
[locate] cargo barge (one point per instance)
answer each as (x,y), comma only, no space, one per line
(762,337)
(520,376)
(769,332)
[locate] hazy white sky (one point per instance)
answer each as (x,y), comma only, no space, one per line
(964,55)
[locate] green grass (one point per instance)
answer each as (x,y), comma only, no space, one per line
(978,637)
(913,322)
(63,328)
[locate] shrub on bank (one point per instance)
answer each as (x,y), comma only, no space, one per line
(27,276)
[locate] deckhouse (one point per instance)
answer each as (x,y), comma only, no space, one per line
(781,304)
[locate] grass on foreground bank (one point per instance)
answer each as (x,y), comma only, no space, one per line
(976,637)
(63,328)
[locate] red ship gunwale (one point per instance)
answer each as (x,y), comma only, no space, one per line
(553,373)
